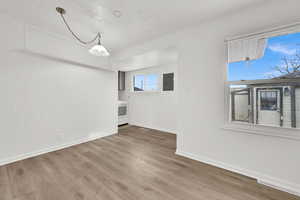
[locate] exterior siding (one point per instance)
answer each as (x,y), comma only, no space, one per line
(241,107)
(287,119)
(297,94)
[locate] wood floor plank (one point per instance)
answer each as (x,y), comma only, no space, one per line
(20,180)
(141,174)
(30,196)
(136,164)
(46,185)
(5,190)
(162,175)
(122,180)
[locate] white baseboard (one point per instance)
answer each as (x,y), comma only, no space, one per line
(261,178)
(154,128)
(53,148)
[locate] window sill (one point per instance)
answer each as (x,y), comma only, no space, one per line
(146,92)
(153,92)
(287,133)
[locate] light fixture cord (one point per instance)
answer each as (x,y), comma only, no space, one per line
(98,36)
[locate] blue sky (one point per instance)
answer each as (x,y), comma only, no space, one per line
(151,81)
(277,48)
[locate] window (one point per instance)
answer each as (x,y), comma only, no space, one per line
(168,82)
(145,82)
(268,100)
(151,82)
(139,83)
(264,80)
(240,104)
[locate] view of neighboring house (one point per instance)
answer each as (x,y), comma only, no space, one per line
(273,102)
(271,96)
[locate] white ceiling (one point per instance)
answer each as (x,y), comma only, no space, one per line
(140,20)
(152,58)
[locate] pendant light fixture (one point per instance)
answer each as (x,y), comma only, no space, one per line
(96,50)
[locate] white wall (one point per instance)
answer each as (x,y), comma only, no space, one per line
(201,117)
(46,103)
(156,110)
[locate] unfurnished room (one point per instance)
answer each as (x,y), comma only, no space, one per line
(150,100)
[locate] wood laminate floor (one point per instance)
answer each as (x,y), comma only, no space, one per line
(138,164)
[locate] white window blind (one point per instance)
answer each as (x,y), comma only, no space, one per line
(253,46)
(246,49)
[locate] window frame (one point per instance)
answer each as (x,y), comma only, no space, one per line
(253,128)
(159,82)
(268,98)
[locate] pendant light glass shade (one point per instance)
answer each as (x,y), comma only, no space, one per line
(99,50)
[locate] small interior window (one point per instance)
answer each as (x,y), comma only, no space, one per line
(139,83)
(168,82)
(145,82)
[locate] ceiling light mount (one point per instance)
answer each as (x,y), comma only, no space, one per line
(117,13)
(98,49)
(60,10)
